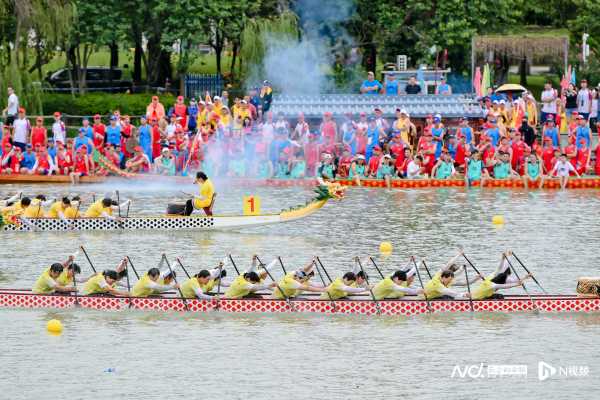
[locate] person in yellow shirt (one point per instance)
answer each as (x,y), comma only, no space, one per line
(101,209)
(103,283)
(395,286)
(17,209)
(48,283)
(72,211)
(296,282)
(502,278)
(199,285)
(205,199)
(246,284)
(148,285)
(58,208)
(343,287)
(36,209)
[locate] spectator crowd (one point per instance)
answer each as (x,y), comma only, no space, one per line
(241,137)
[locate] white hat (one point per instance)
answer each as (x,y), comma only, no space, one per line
(217,98)
(502,101)
(165,149)
(360,157)
(326,155)
(403,111)
(387,156)
(438,116)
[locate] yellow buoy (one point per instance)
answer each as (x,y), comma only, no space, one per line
(386,247)
(497,220)
(54,326)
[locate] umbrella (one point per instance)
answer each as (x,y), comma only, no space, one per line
(510,87)
(477,82)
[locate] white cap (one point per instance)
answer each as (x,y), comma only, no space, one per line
(326,155)
(438,116)
(403,111)
(502,101)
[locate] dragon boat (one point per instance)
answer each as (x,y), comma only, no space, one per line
(15,298)
(324,193)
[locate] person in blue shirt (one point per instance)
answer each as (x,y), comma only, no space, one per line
(550,130)
(374,134)
(494,132)
(192,111)
(145,132)
(438,131)
(277,146)
(391,86)
(452,145)
(583,132)
(443,87)
(371,86)
(113,132)
(29,159)
(466,131)
(89,132)
(51,148)
(83,140)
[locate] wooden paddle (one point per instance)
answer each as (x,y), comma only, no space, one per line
(426,269)
(282,266)
(88,259)
(219,286)
(128,283)
(132,267)
(287,299)
(421,282)
(376,267)
(182,267)
(369,286)
(472,265)
(529,272)
(536,309)
(333,306)
(324,270)
(237,271)
(469,288)
(185,303)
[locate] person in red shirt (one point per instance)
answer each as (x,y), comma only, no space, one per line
(518,151)
(427,152)
(328,127)
(571,152)
(39,133)
(548,155)
(127,130)
(156,139)
(99,131)
(63,160)
(462,152)
(44,164)
(584,154)
(597,163)
(406,159)
(9,162)
(488,152)
(312,155)
(180,110)
(374,161)
(81,165)
(361,141)
(344,164)
(139,162)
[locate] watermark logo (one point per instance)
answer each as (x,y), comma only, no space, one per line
(481,370)
(547,371)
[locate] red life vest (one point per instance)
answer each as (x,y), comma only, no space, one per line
(80,164)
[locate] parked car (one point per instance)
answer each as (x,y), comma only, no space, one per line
(97,79)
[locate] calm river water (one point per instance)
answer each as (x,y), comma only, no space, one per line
(114,355)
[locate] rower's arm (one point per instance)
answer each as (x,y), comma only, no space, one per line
(60,288)
(201,295)
(452,261)
(255,287)
(411,272)
(406,290)
(497,286)
(353,290)
(502,267)
(451,293)
(107,215)
(117,292)
(159,288)
(313,288)
(13,198)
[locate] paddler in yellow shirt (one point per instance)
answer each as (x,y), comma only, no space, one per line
(103,209)
(205,198)
(36,210)
(104,283)
(502,278)
(199,285)
(47,283)
(343,287)
(16,209)
(395,286)
(58,209)
(245,285)
(296,282)
(72,211)
(148,285)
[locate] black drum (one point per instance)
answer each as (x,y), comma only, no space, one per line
(176,209)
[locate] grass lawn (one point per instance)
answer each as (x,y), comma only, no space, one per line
(203,64)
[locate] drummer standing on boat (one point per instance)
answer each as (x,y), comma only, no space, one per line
(205,198)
